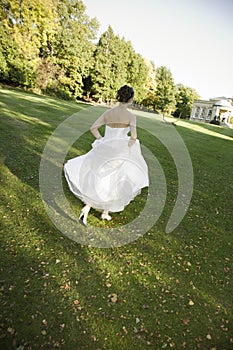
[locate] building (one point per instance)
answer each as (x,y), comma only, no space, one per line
(219,109)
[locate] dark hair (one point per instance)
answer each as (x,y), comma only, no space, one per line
(125,93)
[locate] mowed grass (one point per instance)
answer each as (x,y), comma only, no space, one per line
(162,291)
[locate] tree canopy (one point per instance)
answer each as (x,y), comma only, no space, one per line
(49,46)
(165,101)
(116,63)
(185,97)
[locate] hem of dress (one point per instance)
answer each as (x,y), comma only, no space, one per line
(98,206)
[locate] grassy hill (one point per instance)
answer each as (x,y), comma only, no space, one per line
(161,291)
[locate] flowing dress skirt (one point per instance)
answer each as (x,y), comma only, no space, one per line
(111,174)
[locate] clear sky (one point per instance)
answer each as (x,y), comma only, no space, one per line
(193,38)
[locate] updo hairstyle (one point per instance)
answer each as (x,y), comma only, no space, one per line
(125,93)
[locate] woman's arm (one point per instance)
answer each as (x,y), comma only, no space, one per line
(97,124)
(133,131)
(133,128)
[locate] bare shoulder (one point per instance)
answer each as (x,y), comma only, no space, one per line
(108,113)
(132,116)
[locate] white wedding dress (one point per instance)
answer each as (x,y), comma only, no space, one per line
(111,174)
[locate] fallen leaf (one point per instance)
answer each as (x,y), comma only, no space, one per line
(10,330)
(67,286)
(113,297)
(186,321)
(125,330)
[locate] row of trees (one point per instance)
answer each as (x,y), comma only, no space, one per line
(49,46)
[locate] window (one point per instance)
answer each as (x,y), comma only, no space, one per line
(197,111)
(209,114)
(202,116)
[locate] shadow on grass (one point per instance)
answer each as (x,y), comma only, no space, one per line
(207,129)
(42,106)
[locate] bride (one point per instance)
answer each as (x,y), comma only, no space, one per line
(114,171)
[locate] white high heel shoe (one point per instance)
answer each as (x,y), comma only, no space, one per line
(83,215)
(105,216)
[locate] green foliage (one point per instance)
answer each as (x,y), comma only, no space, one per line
(150,96)
(137,75)
(5,54)
(73,49)
(165,91)
(45,33)
(106,59)
(14,68)
(116,63)
(184,100)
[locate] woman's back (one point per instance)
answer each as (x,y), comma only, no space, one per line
(118,117)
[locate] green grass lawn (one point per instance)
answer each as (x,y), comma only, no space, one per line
(162,291)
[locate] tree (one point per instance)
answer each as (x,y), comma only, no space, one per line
(165,91)
(150,85)
(137,74)
(31,23)
(109,70)
(54,38)
(73,48)
(116,64)
(30,26)
(184,100)
(14,68)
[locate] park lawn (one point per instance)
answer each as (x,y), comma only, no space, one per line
(162,291)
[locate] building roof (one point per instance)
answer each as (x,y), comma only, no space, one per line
(223,102)
(218,101)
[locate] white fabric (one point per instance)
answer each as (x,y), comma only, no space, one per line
(111,174)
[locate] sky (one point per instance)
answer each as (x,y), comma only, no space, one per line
(193,38)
